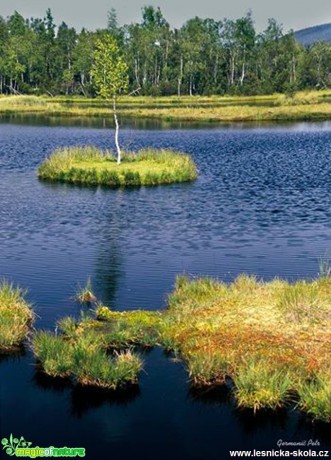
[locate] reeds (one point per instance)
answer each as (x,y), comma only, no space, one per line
(15,316)
(90,166)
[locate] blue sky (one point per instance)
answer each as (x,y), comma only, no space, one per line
(294,14)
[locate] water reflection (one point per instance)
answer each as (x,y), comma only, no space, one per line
(84,399)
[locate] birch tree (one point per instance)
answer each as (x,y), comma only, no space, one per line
(110,74)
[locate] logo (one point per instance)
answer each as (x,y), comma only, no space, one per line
(22,448)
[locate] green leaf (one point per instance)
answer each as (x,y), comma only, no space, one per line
(4,441)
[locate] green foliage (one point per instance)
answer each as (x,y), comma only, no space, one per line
(204,56)
(15,316)
(109,70)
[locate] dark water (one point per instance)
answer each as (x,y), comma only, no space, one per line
(261,205)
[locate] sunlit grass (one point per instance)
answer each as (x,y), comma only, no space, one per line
(260,386)
(54,354)
(270,338)
(84,359)
(15,316)
(301,106)
(91,166)
(315,397)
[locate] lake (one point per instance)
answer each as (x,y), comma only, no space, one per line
(261,206)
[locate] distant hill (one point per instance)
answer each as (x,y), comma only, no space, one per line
(314,34)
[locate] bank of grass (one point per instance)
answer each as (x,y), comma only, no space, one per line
(91,166)
(304,105)
(271,339)
(84,359)
(16,316)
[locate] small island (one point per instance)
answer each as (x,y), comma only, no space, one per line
(89,165)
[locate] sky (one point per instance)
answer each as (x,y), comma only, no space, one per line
(293,14)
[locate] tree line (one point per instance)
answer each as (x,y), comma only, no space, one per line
(203,57)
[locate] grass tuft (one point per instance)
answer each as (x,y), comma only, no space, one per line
(85,294)
(82,356)
(15,316)
(259,386)
(315,398)
(53,353)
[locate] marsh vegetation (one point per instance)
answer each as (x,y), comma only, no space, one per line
(271,339)
(91,166)
(16,316)
(312,105)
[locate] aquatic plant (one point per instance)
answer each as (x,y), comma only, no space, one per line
(16,315)
(315,397)
(258,385)
(85,294)
(54,354)
(83,358)
(270,339)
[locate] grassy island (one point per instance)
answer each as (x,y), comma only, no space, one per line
(15,316)
(91,166)
(270,340)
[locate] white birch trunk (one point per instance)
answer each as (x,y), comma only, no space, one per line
(117,128)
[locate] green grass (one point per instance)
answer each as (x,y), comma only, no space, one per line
(259,386)
(16,316)
(84,359)
(271,339)
(315,397)
(54,354)
(310,105)
(91,166)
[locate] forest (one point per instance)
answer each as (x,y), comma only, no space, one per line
(203,57)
